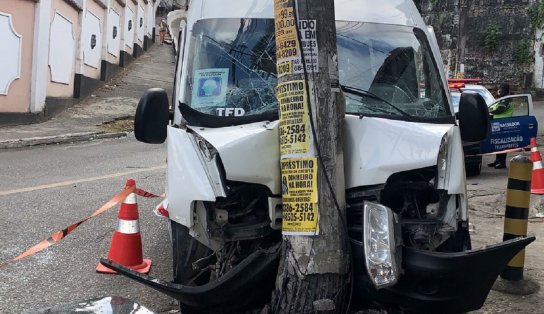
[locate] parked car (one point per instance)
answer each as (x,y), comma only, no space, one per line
(456,93)
(506,133)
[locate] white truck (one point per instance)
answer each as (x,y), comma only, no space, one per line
(403,160)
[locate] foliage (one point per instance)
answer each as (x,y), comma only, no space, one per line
(492,37)
(536,15)
(523,53)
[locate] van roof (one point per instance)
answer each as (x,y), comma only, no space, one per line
(399,12)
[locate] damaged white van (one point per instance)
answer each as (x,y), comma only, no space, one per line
(403,156)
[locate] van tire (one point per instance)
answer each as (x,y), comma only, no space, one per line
(185,251)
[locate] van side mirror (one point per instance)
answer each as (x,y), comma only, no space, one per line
(473,117)
(152,117)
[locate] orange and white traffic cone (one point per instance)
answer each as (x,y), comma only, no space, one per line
(537,181)
(535,154)
(126,243)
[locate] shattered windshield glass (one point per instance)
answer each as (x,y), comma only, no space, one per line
(388,70)
(232,72)
(385,70)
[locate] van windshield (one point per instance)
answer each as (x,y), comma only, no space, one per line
(385,70)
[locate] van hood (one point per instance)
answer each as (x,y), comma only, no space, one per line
(374,149)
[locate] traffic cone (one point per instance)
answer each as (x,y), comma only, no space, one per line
(537,181)
(126,243)
(535,154)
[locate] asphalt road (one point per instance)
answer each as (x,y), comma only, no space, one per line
(45,189)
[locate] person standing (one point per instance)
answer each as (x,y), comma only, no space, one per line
(162,30)
(501,109)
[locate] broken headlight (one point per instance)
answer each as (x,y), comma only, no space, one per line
(380,245)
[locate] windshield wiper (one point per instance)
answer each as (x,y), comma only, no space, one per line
(364,93)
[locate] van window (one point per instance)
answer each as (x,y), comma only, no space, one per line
(385,70)
(389,70)
(232,67)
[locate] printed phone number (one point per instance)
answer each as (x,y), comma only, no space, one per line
(292,139)
(293,129)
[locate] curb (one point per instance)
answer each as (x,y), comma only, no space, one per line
(59,139)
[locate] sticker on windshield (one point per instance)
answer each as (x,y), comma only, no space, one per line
(210,88)
(299,196)
(230,112)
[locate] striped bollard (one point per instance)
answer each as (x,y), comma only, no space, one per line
(516,217)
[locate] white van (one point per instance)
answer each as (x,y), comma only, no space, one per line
(403,158)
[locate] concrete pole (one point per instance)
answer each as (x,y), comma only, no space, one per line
(315,262)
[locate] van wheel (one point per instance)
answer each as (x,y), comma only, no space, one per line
(474,168)
(185,251)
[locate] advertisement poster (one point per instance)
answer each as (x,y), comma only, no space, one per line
(293,102)
(299,194)
(308,37)
(210,88)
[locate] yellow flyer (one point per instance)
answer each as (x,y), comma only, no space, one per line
(287,45)
(299,196)
(293,102)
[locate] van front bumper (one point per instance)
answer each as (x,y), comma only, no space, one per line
(438,282)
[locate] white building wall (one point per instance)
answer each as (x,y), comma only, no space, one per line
(113,33)
(10,50)
(62,49)
(130,25)
(140,24)
(92,40)
(150,20)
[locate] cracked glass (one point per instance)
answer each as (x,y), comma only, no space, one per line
(385,70)
(389,70)
(232,72)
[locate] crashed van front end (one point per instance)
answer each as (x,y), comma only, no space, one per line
(403,163)
(407,220)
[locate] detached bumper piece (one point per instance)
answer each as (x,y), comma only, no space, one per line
(242,288)
(436,282)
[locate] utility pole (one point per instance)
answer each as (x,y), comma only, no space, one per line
(314,269)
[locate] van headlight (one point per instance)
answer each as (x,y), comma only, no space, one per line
(380,245)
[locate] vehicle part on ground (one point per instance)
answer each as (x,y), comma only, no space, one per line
(239,289)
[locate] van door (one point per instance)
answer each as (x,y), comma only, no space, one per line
(513,129)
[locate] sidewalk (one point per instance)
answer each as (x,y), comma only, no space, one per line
(116,100)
